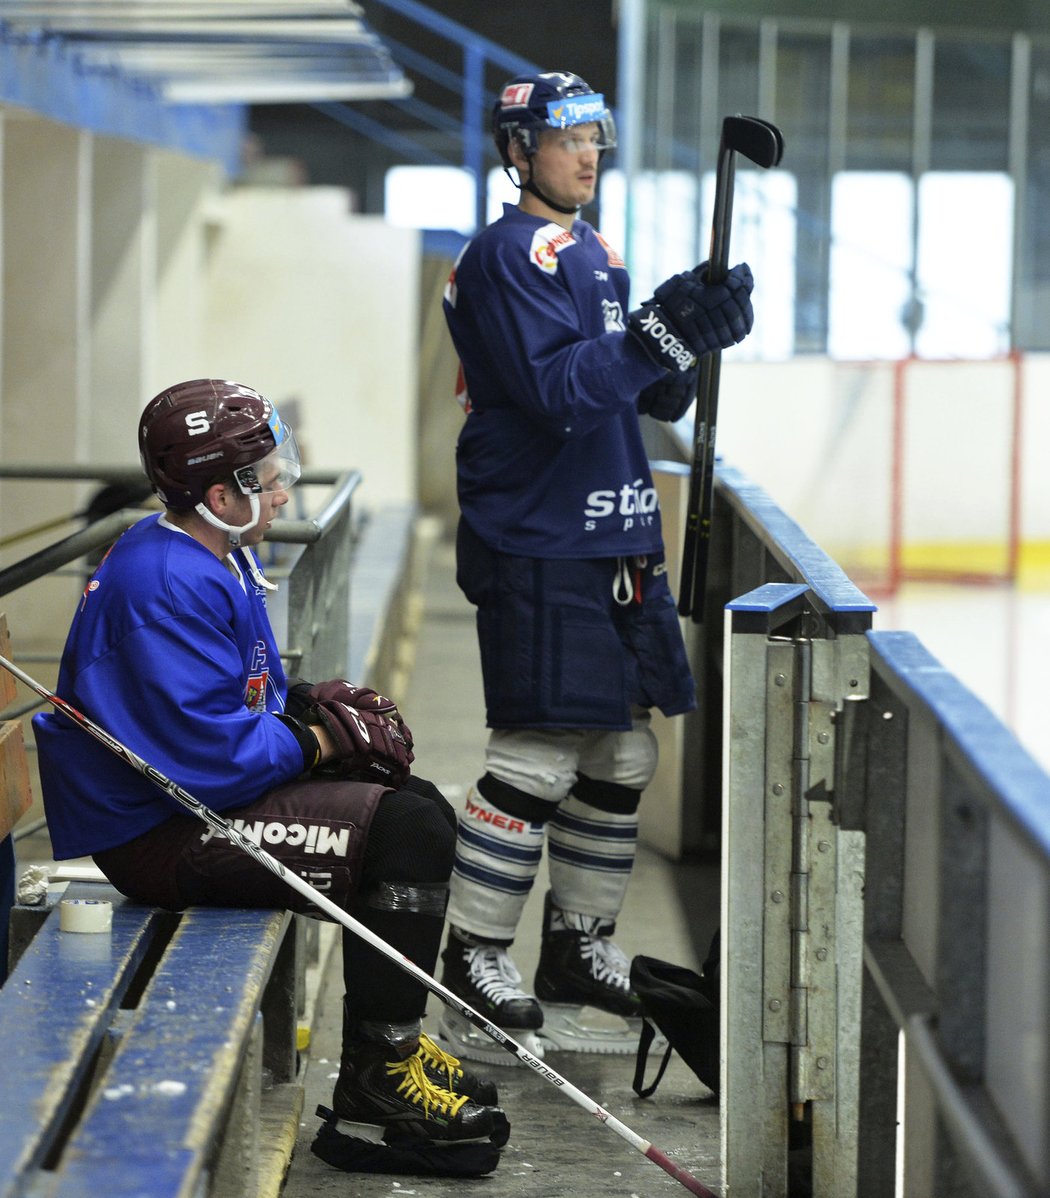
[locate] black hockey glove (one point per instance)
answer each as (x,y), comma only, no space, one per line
(668,398)
(369,747)
(687,318)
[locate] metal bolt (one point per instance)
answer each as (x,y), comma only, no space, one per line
(778,788)
(822,1062)
(822,954)
(780,679)
(887,715)
(774,1004)
(777,896)
(823,737)
(823,846)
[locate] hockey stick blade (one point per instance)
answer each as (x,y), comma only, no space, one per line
(759,141)
(338,915)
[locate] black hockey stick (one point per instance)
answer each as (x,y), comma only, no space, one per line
(225,828)
(760,142)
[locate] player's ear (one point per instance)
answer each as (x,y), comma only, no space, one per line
(217,498)
(516,152)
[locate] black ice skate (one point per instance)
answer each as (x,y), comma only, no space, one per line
(376,1086)
(583,982)
(445,1070)
(486,978)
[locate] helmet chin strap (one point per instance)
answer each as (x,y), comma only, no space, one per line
(529,185)
(233,532)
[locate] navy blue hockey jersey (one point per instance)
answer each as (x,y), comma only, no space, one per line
(171,651)
(550,460)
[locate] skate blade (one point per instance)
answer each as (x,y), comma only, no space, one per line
(570,1028)
(457,1035)
(376,1133)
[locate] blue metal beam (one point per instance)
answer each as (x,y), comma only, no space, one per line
(513,64)
(400,143)
(42,74)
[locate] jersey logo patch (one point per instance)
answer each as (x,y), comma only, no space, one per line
(451,290)
(462,394)
(612,314)
(255,691)
(547,244)
(610,253)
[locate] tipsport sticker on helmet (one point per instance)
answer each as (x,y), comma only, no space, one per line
(575,110)
(275,426)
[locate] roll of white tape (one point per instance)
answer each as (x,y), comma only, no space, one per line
(85,915)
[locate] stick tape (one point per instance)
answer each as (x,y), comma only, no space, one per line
(85,915)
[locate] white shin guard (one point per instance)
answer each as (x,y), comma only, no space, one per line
(590,858)
(497,859)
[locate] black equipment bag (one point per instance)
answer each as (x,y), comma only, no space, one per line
(683,1005)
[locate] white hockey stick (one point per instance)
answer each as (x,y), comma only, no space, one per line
(340,916)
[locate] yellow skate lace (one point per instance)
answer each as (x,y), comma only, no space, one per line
(417,1088)
(437,1058)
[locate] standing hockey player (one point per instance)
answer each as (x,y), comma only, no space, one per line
(560,549)
(171,647)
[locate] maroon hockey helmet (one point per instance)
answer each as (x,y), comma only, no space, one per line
(549,100)
(196,433)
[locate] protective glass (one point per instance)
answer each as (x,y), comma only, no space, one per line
(576,143)
(278,471)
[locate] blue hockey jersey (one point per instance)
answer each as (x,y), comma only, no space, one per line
(171,651)
(550,460)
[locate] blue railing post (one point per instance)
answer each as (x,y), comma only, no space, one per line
(473,116)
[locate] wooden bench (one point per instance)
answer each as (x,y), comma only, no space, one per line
(135,1062)
(145,1060)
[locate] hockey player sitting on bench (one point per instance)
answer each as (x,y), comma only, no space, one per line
(171,648)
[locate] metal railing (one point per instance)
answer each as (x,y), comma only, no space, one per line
(885,879)
(311,615)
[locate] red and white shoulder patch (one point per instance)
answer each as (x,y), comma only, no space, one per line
(610,253)
(547,243)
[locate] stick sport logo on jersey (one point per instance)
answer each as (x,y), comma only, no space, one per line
(630,505)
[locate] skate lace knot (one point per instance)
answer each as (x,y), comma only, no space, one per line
(495,974)
(608,961)
(437,1058)
(417,1088)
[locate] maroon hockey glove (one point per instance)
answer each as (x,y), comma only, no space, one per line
(364,699)
(368,745)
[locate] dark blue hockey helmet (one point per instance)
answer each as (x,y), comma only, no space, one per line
(528,104)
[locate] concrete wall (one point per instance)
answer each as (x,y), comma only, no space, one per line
(126,268)
(305,301)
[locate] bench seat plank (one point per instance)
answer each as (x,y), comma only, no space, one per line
(173,1074)
(55,1010)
